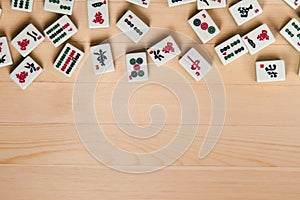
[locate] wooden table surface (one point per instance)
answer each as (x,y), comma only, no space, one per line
(257,156)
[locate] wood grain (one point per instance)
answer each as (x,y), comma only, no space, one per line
(257,156)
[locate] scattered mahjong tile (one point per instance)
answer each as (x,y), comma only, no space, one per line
(60,31)
(164,51)
(245,10)
(173,3)
(142,3)
(26,72)
(291,32)
(59,6)
(5,56)
(231,49)
(194,63)
(137,67)
(27,40)
(68,60)
(204,26)
(22,5)
(102,58)
(210,4)
(98,15)
(132,26)
(270,71)
(258,39)
(293,3)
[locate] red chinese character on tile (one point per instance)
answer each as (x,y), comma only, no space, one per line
(263,35)
(98,18)
(169,48)
(1,46)
(23,44)
(22,76)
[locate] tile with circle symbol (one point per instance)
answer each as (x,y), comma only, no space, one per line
(22,5)
(231,49)
(142,3)
(60,31)
(291,32)
(204,26)
(245,10)
(132,26)
(210,4)
(137,67)
(98,15)
(59,6)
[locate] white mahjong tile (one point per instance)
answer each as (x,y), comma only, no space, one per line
(258,39)
(194,63)
(27,40)
(204,26)
(245,10)
(231,49)
(291,32)
(173,3)
(293,3)
(137,68)
(59,6)
(210,4)
(5,56)
(22,5)
(26,72)
(142,3)
(60,31)
(132,26)
(270,71)
(98,15)
(68,60)
(102,58)
(164,51)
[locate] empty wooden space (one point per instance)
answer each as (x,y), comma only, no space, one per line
(256,157)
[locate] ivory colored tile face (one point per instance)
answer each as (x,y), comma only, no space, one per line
(210,4)
(5,56)
(258,39)
(293,3)
(270,71)
(132,26)
(60,31)
(164,51)
(26,72)
(204,26)
(102,58)
(137,68)
(27,40)
(291,32)
(245,10)
(22,5)
(142,3)
(68,60)
(173,3)
(231,49)
(98,15)
(59,6)
(194,63)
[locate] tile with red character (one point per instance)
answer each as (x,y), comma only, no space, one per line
(98,15)
(26,72)
(27,40)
